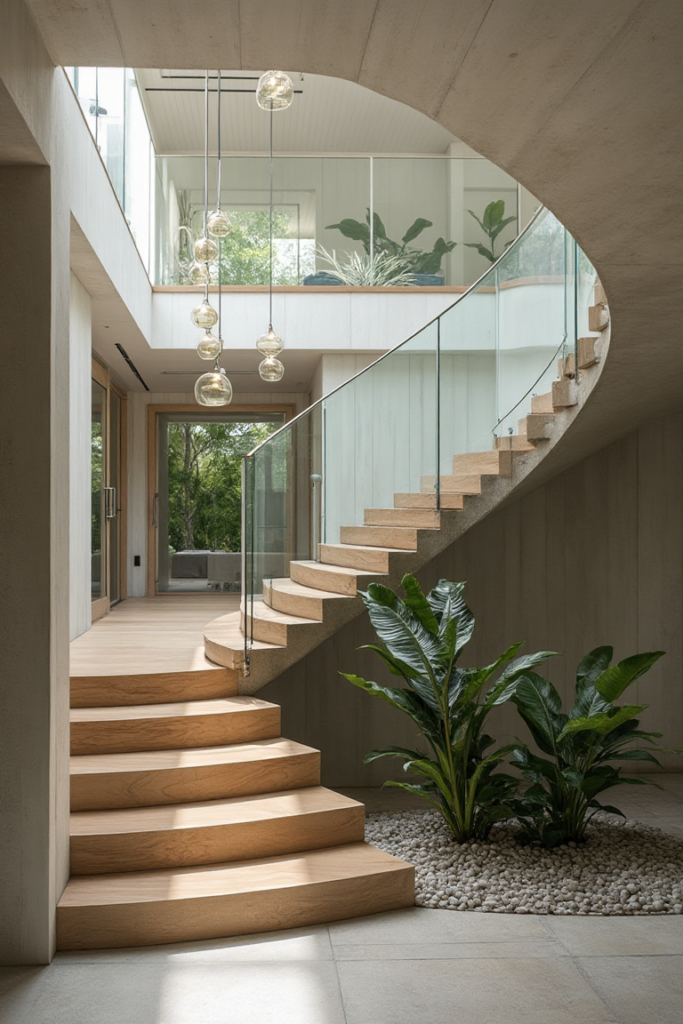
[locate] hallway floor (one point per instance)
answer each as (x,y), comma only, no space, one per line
(413,966)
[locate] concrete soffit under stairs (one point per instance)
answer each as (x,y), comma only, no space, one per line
(191,816)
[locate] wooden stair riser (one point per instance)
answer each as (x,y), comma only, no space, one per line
(598,317)
(534,426)
(420,500)
(271,632)
(373,560)
(493,463)
(422,519)
(124,735)
(323,577)
(380,536)
(514,443)
(226,842)
(564,394)
(153,688)
(312,607)
(276,898)
(462,483)
(588,352)
(210,781)
(542,403)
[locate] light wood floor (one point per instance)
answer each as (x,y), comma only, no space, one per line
(150,634)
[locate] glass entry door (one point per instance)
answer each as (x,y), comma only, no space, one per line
(196,504)
(106,511)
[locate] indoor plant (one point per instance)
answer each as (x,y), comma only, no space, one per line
(422,264)
(580,745)
(492,223)
(422,641)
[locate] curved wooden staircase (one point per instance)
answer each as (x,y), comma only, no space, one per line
(196,819)
(298,613)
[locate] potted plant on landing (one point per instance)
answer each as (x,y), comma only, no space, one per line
(492,223)
(424,267)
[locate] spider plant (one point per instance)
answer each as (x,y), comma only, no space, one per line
(581,745)
(362,269)
(422,638)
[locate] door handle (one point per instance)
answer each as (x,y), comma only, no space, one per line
(110,502)
(155,509)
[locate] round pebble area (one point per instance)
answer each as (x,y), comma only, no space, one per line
(623,868)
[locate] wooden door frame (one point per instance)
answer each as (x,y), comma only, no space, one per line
(100,607)
(152,449)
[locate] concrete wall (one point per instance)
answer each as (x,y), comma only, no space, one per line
(80,389)
(594,556)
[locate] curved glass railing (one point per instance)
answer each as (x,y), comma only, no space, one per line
(464,380)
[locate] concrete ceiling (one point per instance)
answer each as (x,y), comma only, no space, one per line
(328,115)
(581,102)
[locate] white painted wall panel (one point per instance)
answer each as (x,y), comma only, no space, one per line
(80,328)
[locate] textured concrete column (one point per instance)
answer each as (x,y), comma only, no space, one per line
(34,474)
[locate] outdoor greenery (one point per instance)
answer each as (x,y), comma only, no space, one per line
(204,482)
(418,261)
(492,223)
(422,640)
(245,252)
(580,745)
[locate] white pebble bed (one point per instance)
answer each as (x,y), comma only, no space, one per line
(623,868)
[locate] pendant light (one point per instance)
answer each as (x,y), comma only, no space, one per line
(274,92)
(212,388)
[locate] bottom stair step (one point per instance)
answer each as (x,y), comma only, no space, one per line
(213,831)
(149,907)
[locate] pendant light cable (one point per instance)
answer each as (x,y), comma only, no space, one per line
(206,174)
(218,206)
(270,287)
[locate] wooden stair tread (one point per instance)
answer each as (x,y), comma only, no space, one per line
(206,813)
(427,499)
(190,708)
(260,610)
(422,519)
(190,757)
(370,548)
(265,874)
(289,586)
(227,631)
(342,570)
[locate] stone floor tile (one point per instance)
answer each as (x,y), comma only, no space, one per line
(419,924)
(296,944)
(125,993)
(619,936)
(473,991)
(451,950)
(639,990)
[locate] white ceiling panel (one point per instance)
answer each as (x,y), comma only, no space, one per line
(328,115)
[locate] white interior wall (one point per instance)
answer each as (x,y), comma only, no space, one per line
(80,354)
(138,506)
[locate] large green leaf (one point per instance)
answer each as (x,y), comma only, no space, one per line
(505,686)
(612,683)
(482,250)
(402,633)
(493,214)
(395,666)
(591,667)
(540,706)
(350,228)
(419,604)
(601,722)
(379,231)
(415,229)
(495,231)
(404,752)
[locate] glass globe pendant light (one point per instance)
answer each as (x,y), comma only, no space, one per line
(219,224)
(198,273)
(209,346)
(213,388)
(205,250)
(204,315)
(274,91)
(270,344)
(271,370)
